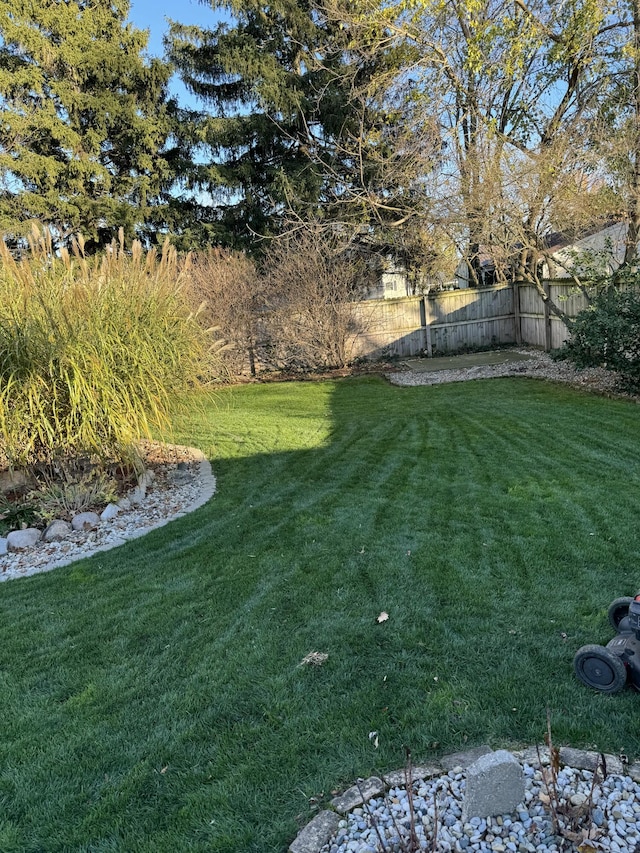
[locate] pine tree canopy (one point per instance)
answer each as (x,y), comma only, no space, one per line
(84,119)
(282,136)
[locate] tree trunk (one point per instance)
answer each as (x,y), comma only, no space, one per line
(633,228)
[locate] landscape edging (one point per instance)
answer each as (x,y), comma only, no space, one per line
(208,485)
(316,833)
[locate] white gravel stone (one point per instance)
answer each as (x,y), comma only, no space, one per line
(539,365)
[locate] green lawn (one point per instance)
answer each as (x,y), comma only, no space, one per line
(151,698)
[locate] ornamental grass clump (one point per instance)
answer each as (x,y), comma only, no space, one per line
(95,352)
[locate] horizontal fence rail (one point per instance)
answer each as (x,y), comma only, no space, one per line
(450,321)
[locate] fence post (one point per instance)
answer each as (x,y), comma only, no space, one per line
(517,329)
(426,317)
(547,317)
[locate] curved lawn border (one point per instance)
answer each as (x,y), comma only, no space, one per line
(207,482)
(313,837)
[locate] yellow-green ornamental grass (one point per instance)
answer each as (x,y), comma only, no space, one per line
(94,351)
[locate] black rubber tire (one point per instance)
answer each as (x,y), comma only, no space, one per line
(600,669)
(618,609)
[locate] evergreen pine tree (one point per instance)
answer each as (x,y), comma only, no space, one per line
(287,131)
(84,120)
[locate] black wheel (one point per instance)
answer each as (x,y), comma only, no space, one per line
(618,609)
(599,668)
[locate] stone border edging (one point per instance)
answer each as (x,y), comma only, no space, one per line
(208,487)
(313,837)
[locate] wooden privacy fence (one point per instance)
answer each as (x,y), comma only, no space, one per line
(450,321)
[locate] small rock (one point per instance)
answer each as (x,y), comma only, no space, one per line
(85,521)
(58,529)
(578,799)
(124,503)
(146,478)
(180,478)
(18,540)
(138,495)
(12,480)
(109,512)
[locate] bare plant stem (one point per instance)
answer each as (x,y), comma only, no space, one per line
(372,818)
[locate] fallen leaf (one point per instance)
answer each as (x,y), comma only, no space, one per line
(590,846)
(373,737)
(315,658)
(383,617)
(164,769)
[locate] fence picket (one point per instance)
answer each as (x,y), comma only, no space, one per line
(440,323)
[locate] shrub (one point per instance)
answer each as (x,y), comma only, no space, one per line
(313,283)
(94,352)
(69,495)
(607,334)
(227,286)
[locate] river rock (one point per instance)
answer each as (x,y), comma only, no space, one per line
(58,529)
(18,540)
(109,512)
(137,495)
(85,521)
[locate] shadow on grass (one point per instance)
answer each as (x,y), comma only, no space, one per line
(153,699)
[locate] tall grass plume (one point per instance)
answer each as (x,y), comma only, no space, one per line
(94,351)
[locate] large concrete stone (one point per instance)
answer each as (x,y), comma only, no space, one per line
(3,546)
(315,834)
(358,794)
(463,760)
(495,785)
(582,760)
(18,540)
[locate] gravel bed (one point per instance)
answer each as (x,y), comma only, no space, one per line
(539,365)
(611,824)
(171,495)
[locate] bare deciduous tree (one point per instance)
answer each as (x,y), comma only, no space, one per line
(229,289)
(313,281)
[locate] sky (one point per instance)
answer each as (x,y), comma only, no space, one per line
(152,15)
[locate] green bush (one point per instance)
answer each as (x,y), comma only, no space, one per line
(607,334)
(94,352)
